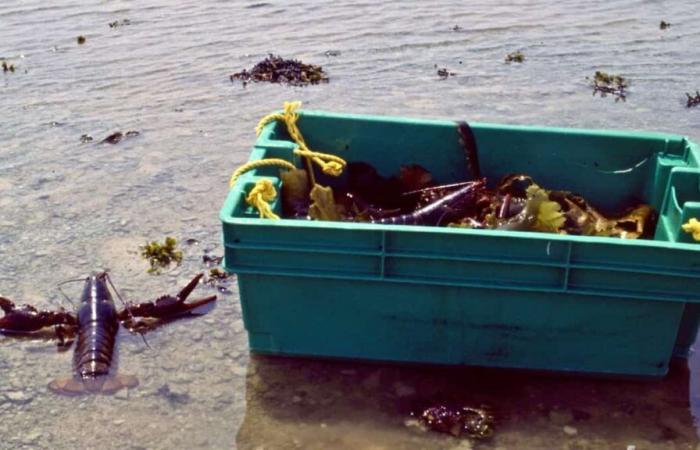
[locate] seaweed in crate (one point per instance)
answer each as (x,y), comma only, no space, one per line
(517,203)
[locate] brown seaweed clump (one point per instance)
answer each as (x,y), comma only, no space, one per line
(275,69)
(615,85)
(516,57)
(693,100)
(8,67)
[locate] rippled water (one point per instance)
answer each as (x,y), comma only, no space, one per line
(68,208)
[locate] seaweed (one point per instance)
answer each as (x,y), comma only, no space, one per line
(323,206)
(693,100)
(161,256)
(275,69)
(615,85)
(119,23)
(516,57)
(295,193)
(117,137)
(8,67)
(444,73)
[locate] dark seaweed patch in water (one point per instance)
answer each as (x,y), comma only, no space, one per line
(615,85)
(693,100)
(444,72)
(119,23)
(517,57)
(275,69)
(8,67)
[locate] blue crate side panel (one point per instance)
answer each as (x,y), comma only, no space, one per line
(454,325)
(554,296)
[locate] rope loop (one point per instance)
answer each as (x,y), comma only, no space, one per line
(260,197)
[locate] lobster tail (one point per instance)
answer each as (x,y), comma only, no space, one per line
(100,385)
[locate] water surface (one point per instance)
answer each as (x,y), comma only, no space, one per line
(68,208)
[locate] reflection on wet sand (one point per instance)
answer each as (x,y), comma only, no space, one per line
(313,404)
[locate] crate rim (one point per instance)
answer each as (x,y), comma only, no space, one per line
(413,120)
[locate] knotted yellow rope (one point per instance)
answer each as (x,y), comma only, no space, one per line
(334,166)
(329,164)
(260,197)
(693,227)
(264,192)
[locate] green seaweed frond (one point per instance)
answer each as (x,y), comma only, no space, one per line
(161,256)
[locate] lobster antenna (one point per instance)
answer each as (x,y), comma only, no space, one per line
(60,289)
(143,337)
(126,307)
(119,296)
(434,188)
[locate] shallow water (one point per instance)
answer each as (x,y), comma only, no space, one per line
(68,208)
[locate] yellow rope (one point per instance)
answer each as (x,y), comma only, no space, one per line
(330,164)
(260,197)
(693,227)
(267,119)
(264,192)
(259,163)
(334,166)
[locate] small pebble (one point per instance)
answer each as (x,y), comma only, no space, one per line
(403,390)
(239,371)
(19,397)
(219,334)
(118,422)
(412,423)
(570,431)
(464,445)
(122,394)
(561,418)
(32,436)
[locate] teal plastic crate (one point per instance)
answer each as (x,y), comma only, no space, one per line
(475,297)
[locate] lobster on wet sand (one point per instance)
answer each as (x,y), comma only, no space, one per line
(96,325)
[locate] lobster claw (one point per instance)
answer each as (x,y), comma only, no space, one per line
(27,319)
(166,307)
